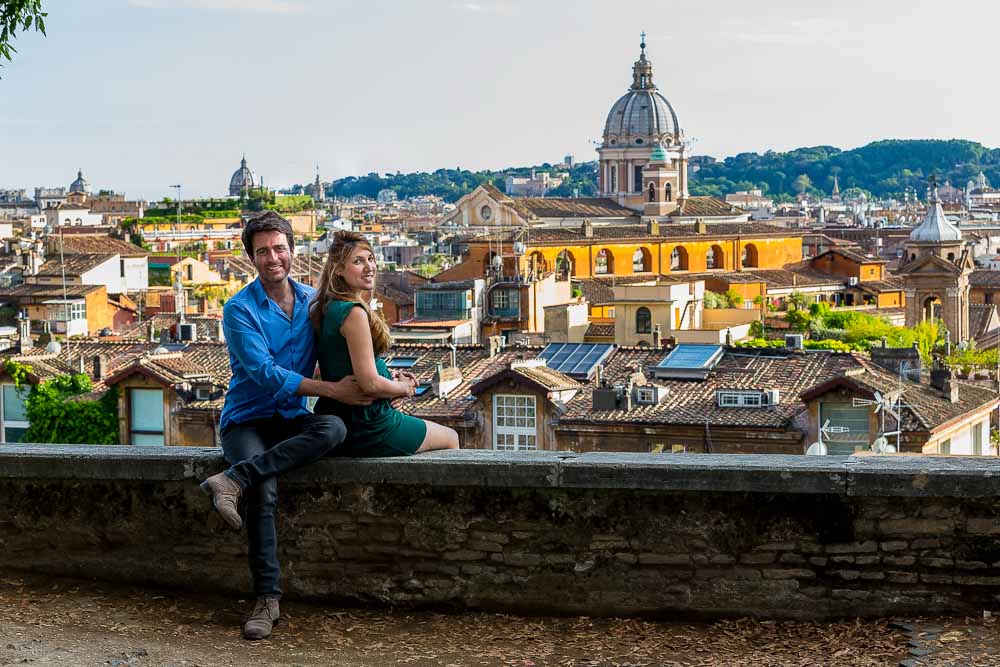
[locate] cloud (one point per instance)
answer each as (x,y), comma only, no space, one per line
(255,6)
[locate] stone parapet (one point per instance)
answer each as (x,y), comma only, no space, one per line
(542,532)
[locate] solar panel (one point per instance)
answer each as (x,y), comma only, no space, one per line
(577,360)
(689,361)
(689,356)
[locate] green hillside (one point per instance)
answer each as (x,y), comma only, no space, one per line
(883,168)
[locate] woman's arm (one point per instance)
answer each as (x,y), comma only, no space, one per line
(357,332)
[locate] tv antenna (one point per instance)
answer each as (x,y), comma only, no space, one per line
(819,448)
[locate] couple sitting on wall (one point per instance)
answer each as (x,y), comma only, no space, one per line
(276,330)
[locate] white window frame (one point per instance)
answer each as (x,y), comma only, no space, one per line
(977,439)
(740,399)
(203,393)
(4,423)
(522,434)
(645,395)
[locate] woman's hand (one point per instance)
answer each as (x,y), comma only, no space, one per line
(408,382)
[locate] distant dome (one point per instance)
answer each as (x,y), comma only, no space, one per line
(642,115)
(243,180)
(80,184)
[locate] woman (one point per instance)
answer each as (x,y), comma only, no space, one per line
(350,339)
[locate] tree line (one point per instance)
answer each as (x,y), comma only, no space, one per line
(885,168)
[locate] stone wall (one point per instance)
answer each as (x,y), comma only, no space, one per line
(548,532)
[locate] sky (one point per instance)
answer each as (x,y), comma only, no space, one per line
(143,94)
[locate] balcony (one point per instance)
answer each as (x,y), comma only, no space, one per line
(682,537)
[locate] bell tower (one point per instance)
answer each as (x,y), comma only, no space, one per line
(936,271)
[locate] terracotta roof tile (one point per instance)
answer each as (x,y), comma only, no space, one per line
(705,207)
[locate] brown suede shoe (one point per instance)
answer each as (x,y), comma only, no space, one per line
(264,617)
(225,497)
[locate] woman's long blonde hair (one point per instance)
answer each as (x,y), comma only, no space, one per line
(333,287)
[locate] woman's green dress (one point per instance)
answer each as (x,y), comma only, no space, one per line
(372,430)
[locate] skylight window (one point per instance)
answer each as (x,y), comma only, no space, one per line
(402,362)
(577,360)
(689,362)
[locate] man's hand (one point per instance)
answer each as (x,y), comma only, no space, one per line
(348,392)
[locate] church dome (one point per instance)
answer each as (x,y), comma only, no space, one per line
(80,184)
(935,227)
(642,115)
(243,179)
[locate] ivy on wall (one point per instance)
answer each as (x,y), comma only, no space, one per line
(55,416)
(16,371)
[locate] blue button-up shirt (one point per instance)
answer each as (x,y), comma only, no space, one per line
(269,352)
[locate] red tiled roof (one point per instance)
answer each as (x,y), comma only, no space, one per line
(706,207)
(430,324)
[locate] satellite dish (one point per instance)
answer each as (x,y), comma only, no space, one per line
(54,347)
(816,449)
(882,446)
(519,248)
(497,261)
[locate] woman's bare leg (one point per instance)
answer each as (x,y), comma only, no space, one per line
(438,437)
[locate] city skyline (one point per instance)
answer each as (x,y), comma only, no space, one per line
(195,84)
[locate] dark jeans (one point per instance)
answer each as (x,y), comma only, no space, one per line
(259,450)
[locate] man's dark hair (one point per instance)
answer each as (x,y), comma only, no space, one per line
(268,221)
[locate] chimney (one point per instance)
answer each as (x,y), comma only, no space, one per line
(700,227)
(454,356)
(657,337)
(221,333)
(729,337)
(23,332)
(100,366)
(445,380)
(496,346)
(587,229)
(951,389)
(653,227)
(939,378)
(152,332)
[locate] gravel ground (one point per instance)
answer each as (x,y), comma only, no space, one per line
(48,621)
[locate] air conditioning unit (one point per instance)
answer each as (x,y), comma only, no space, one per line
(772,396)
(852,281)
(793,341)
(187,332)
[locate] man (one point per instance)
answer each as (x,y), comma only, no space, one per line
(265,426)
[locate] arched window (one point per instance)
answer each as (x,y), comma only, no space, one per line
(652,192)
(604,262)
(951,257)
(668,192)
(643,321)
(565,263)
(679,259)
(642,261)
(714,258)
(749,256)
(537,263)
